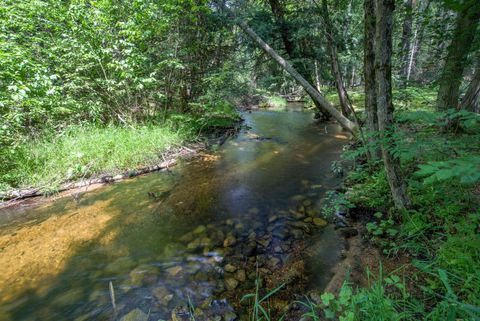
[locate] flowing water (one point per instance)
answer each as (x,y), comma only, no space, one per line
(202,232)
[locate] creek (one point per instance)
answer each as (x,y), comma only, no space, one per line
(200,233)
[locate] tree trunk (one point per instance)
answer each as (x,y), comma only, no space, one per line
(318,84)
(316,96)
(279,14)
(406,43)
(457,52)
(369,75)
(337,73)
(289,46)
(383,75)
(471,100)
(417,42)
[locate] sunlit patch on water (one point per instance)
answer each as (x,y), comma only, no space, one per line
(199,234)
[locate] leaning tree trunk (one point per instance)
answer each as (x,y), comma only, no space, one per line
(383,75)
(369,75)
(471,100)
(316,96)
(463,36)
(337,73)
(289,46)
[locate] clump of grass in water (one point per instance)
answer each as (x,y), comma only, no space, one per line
(259,311)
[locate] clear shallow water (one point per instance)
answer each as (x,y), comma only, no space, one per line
(202,232)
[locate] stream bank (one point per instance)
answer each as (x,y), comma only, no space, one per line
(202,232)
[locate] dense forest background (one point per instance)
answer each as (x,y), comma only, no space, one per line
(88,87)
(66,64)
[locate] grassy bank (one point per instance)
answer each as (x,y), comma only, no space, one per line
(438,237)
(75,152)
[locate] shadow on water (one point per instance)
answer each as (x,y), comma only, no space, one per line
(197,233)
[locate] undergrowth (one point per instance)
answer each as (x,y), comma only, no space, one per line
(440,232)
(52,158)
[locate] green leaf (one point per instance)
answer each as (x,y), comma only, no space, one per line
(326,298)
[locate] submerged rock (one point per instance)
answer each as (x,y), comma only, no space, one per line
(307,203)
(230,316)
(135,315)
(174,270)
(297,233)
(230,268)
(317,221)
(120,265)
(240,275)
(162,294)
(143,274)
(229,241)
(200,229)
(180,314)
(231,283)
(249,249)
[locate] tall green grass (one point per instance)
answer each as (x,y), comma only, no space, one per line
(84,151)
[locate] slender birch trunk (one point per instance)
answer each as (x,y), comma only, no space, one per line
(332,48)
(369,75)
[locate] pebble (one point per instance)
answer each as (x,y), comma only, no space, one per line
(229,241)
(240,275)
(174,271)
(274,261)
(200,229)
(254,210)
(230,268)
(307,203)
(317,221)
(264,242)
(135,315)
(231,284)
(142,274)
(230,316)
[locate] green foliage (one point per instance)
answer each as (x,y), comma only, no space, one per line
(384,299)
(84,151)
(275,102)
(334,203)
(80,65)
(370,190)
(441,167)
(466,170)
(383,232)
